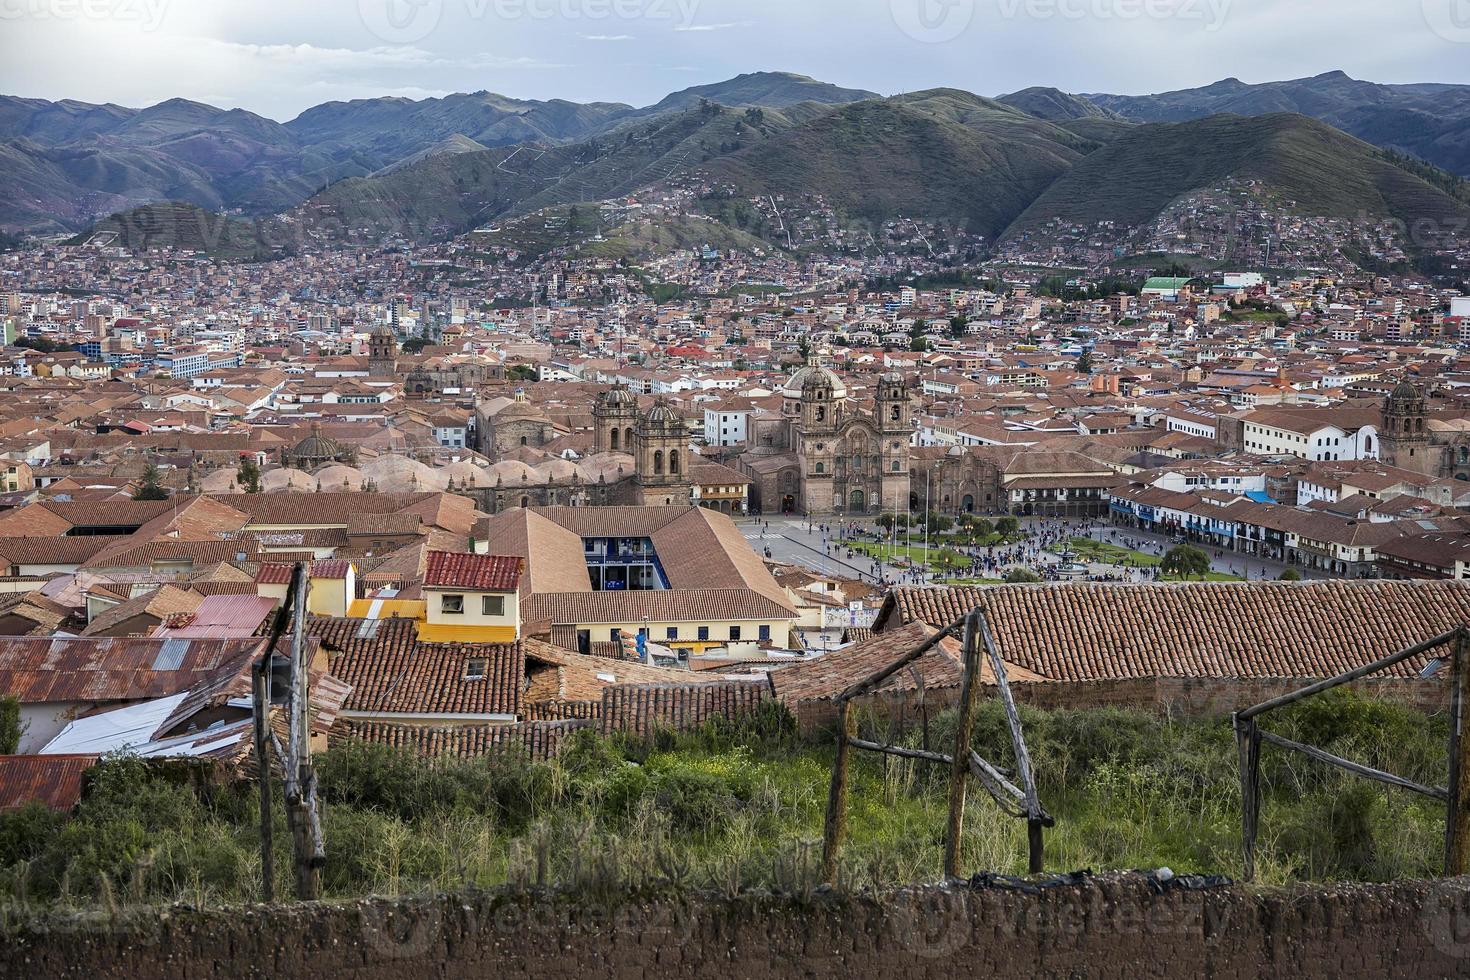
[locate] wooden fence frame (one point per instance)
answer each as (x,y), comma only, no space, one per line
(964,761)
(1249,736)
(303,816)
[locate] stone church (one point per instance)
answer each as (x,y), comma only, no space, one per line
(823,455)
(426,376)
(1412,439)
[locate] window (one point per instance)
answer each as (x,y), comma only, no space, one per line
(765,634)
(703,633)
(734,633)
(492,605)
(475,668)
(452,605)
(672,633)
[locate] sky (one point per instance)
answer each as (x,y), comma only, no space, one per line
(277,57)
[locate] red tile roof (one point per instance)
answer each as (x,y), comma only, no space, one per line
(482,573)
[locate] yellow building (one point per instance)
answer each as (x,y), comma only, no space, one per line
(683,576)
(471,598)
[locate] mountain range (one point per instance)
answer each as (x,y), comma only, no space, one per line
(437,167)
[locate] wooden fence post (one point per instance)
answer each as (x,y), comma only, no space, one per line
(834,831)
(960,766)
(1248,743)
(1457,815)
(261,704)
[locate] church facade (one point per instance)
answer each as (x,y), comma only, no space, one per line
(1412,439)
(822,455)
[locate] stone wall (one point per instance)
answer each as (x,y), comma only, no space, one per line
(1116,927)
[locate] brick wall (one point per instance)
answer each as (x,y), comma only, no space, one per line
(1189,696)
(1115,927)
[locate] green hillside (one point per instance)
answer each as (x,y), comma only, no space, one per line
(942,154)
(447,194)
(1322,171)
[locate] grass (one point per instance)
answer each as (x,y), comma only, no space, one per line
(940,558)
(733,807)
(1110,554)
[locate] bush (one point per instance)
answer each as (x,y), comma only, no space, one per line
(10,726)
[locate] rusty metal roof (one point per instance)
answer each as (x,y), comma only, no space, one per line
(219,617)
(41,670)
(55,780)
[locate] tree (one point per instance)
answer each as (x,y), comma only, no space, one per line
(1007,526)
(150,488)
(938,523)
(247,477)
(957,325)
(1290,575)
(11,728)
(1019,576)
(1186,561)
(1084,363)
(886,521)
(980,527)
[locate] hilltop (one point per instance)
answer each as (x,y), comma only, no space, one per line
(1317,169)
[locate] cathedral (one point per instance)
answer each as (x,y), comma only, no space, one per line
(658,441)
(1412,439)
(822,455)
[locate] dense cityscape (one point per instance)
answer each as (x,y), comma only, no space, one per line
(466,509)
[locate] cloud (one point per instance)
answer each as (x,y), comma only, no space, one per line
(700,28)
(607,37)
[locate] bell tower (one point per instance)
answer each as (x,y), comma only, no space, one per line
(895,428)
(382,355)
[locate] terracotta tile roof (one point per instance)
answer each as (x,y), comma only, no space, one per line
(1089,631)
(540,740)
(53,780)
(157,605)
(556,674)
(432,679)
(641,709)
(273,573)
(57,550)
(482,573)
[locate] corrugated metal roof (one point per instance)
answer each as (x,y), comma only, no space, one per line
(220,617)
(48,670)
(54,780)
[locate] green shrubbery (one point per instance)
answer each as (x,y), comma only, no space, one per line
(741,805)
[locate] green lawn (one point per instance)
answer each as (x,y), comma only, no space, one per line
(1100,551)
(940,558)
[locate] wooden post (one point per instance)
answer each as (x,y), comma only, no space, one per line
(1036,848)
(1457,816)
(960,765)
(261,696)
(1034,814)
(1248,743)
(301,799)
(834,831)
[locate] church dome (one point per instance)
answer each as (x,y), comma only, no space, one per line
(1405,391)
(662,414)
(618,396)
(814,377)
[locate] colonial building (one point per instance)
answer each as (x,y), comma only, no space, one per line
(822,455)
(1412,439)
